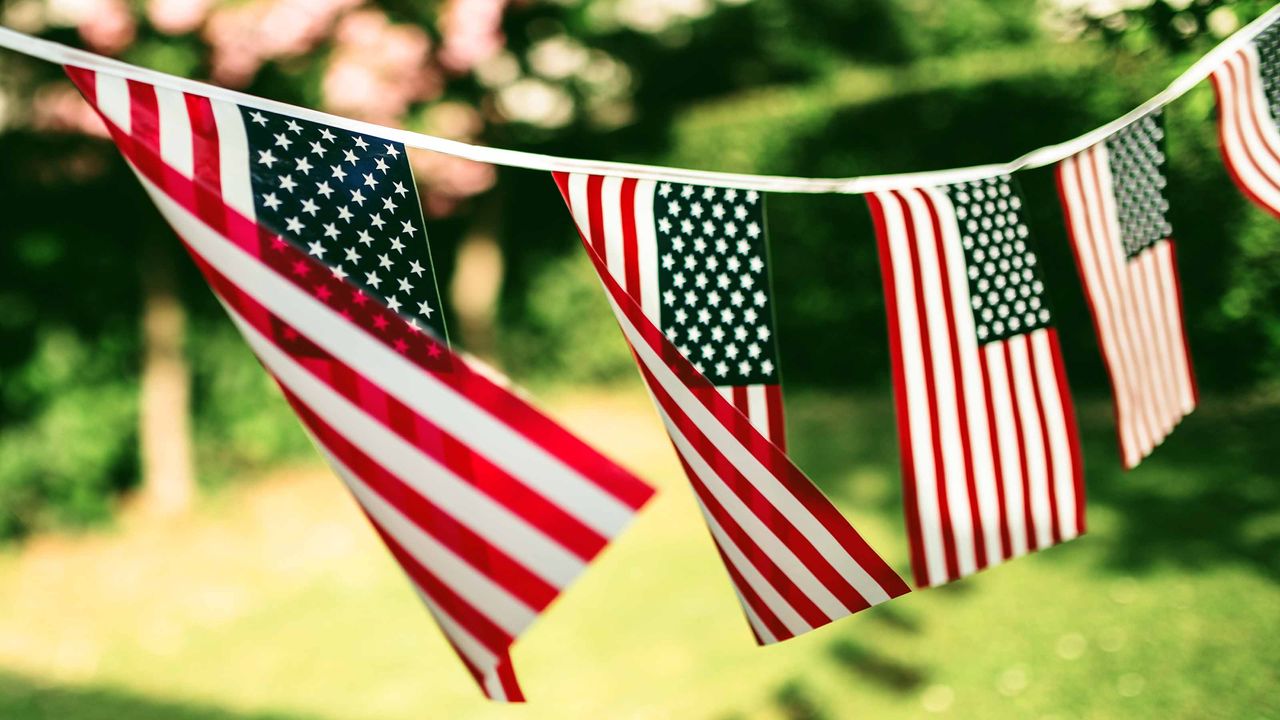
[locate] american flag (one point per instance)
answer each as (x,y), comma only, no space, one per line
(990,453)
(313,239)
(685,269)
(1248,88)
(1116,212)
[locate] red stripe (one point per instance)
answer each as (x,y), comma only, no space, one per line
(1006,540)
(1074,235)
(421,432)
(1073,428)
(740,401)
(1050,471)
(419,348)
(753,601)
(1176,280)
(910,503)
(959,385)
(1029,518)
(595,212)
(478,552)
(931,391)
(85,81)
(507,678)
(1146,264)
(630,249)
(777,421)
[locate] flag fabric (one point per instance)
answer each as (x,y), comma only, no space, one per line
(313,239)
(987,430)
(1248,88)
(685,269)
(1116,212)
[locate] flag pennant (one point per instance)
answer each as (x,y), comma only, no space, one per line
(685,270)
(990,454)
(1248,88)
(313,240)
(1116,212)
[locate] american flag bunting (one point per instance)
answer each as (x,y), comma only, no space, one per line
(1248,88)
(987,431)
(1113,200)
(685,269)
(313,240)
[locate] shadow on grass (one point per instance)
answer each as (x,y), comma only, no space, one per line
(32,700)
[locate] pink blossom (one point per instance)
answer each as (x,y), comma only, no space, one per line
(378,69)
(58,107)
(176,17)
(446,180)
(105,25)
(246,35)
(472,32)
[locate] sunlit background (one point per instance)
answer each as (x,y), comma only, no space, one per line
(171,547)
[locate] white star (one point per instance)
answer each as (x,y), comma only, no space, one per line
(338,172)
(372,279)
(328,136)
(696,210)
(759,297)
(766,367)
(744,247)
(365,238)
(357,197)
(384,261)
(763,333)
(664,189)
(315,248)
(294,127)
(340,272)
(415,268)
(708,193)
(752,196)
(377,221)
(259,118)
(287,183)
(686,191)
(271,201)
(392,151)
(413,323)
(664,226)
(756,264)
(283,141)
(673,208)
(330,231)
(753,229)
(668,262)
(405,286)
(721,368)
(349,156)
(407,228)
(309,206)
(324,189)
(345,214)
(352,255)
(318,149)
(668,298)
(400,189)
(304,165)
(381,164)
(753,350)
(708,228)
(397,245)
(730,194)
(394,304)
(293,225)
(388,204)
(369,181)
(717,211)
(736,298)
(360,143)
(425,309)
(744,367)
(266,158)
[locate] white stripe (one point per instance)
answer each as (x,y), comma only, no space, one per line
(112,97)
(1239,138)
(975,402)
(472,649)
(427,477)
(1060,455)
(1143,266)
(1177,330)
(944,383)
(753,618)
(1010,454)
(1084,238)
(455,414)
(1111,260)
(647,251)
(579,205)
(745,463)
(760,534)
(1032,439)
(175,131)
(233,158)
(918,416)
(611,205)
(487,597)
(758,408)
(777,605)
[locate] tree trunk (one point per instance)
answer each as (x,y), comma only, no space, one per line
(168,474)
(477,280)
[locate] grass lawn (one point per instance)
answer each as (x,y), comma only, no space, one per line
(275,601)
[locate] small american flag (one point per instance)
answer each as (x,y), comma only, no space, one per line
(1248,88)
(685,270)
(990,453)
(313,239)
(1113,199)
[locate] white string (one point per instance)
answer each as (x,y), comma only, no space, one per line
(64,55)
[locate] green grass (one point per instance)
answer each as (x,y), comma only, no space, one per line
(276,602)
